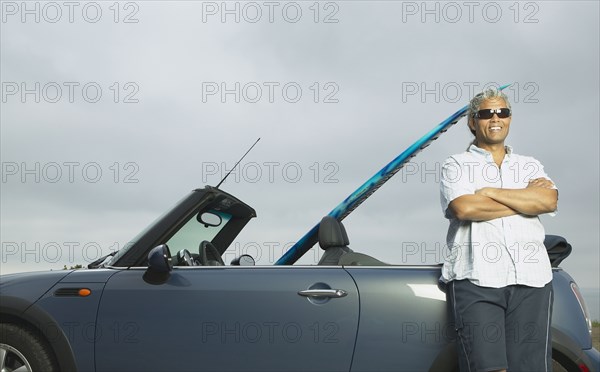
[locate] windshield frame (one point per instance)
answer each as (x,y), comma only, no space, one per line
(169,223)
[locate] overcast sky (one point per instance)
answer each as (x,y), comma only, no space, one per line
(113,111)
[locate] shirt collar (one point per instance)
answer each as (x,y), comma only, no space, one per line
(485,153)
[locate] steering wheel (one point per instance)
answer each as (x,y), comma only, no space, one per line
(184,258)
(209,256)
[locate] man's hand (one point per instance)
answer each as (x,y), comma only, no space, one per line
(537,198)
(541,182)
(486,191)
(478,207)
(488,203)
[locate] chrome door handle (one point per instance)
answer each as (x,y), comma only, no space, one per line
(331,293)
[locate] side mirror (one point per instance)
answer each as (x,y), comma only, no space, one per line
(243,260)
(159,259)
(209,219)
(159,265)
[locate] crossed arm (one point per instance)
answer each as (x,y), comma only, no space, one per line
(488,203)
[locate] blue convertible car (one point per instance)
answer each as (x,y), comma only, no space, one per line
(168,302)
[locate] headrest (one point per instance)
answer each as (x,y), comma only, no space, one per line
(344,234)
(332,233)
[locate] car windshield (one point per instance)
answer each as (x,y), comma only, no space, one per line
(139,235)
(206,214)
(194,232)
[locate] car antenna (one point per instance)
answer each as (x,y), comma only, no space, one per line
(236,164)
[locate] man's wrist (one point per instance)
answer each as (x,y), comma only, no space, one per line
(487,192)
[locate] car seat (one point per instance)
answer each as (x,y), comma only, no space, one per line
(333,239)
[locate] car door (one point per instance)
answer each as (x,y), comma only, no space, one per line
(228,319)
(404,322)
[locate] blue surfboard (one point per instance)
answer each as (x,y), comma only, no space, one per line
(368,188)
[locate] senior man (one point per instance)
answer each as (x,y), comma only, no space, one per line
(498,273)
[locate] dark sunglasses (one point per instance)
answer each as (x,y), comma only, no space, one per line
(502,113)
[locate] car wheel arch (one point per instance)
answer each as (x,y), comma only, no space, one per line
(24,348)
(566,362)
(40,323)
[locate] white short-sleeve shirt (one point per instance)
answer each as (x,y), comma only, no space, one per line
(499,252)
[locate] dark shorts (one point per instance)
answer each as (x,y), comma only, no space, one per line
(502,328)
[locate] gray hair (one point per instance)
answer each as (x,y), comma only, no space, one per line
(490,93)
